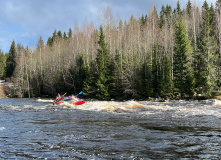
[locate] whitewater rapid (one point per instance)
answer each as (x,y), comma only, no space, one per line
(180,108)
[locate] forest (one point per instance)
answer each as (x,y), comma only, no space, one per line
(173,53)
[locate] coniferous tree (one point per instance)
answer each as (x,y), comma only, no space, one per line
(189,8)
(3,58)
(166,83)
(11,61)
(205,59)
(60,34)
(103,62)
(169,15)
(70,33)
(116,90)
(162,16)
(183,74)
(144,82)
(89,86)
(54,35)
(80,76)
(65,36)
(142,19)
(178,8)
(50,41)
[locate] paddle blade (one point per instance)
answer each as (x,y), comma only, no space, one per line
(79,93)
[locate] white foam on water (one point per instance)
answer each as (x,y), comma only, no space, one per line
(44,100)
(198,108)
(2,128)
(113,106)
(181,108)
(217,102)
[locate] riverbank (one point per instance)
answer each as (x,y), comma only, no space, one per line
(4,90)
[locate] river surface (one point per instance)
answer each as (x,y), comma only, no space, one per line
(35,129)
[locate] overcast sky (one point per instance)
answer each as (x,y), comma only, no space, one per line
(25,20)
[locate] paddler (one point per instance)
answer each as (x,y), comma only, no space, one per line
(72,98)
(58,97)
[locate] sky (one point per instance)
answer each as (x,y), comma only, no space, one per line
(24,21)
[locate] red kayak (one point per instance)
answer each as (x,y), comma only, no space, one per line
(70,102)
(77,102)
(58,102)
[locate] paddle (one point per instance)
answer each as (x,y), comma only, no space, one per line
(79,93)
(74,96)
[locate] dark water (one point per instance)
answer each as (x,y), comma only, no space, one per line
(110,130)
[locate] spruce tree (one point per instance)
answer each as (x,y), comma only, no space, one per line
(50,41)
(144,82)
(65,36)
(81,75)
(3,58)
(169,15)
(11,60)
(162,16)
(189,8)
(178,8)
(54,35)
(70,33)
(89,86)
(205,58)
(103,62)
(143,21)
(183,74)
(166,83)
(115,88)
(60,34)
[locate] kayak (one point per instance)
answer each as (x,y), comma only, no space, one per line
(77,102)
(58,102)
(70,102)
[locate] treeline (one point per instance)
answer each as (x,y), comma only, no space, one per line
(176,52)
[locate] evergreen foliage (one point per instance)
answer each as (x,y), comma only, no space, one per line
(11,61)
(59,34)
(178,8)
(65,36)
(103,68)
(189,8)
(183,73)
(70,33)
(144,83)
(89,86)
(205,72)
(3,58)
(50,41)
(166,83)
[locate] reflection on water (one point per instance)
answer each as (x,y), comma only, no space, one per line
(36,129)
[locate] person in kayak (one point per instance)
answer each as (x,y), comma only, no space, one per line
(58,97)
(73,98)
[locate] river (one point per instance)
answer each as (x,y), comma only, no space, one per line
(35,129)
